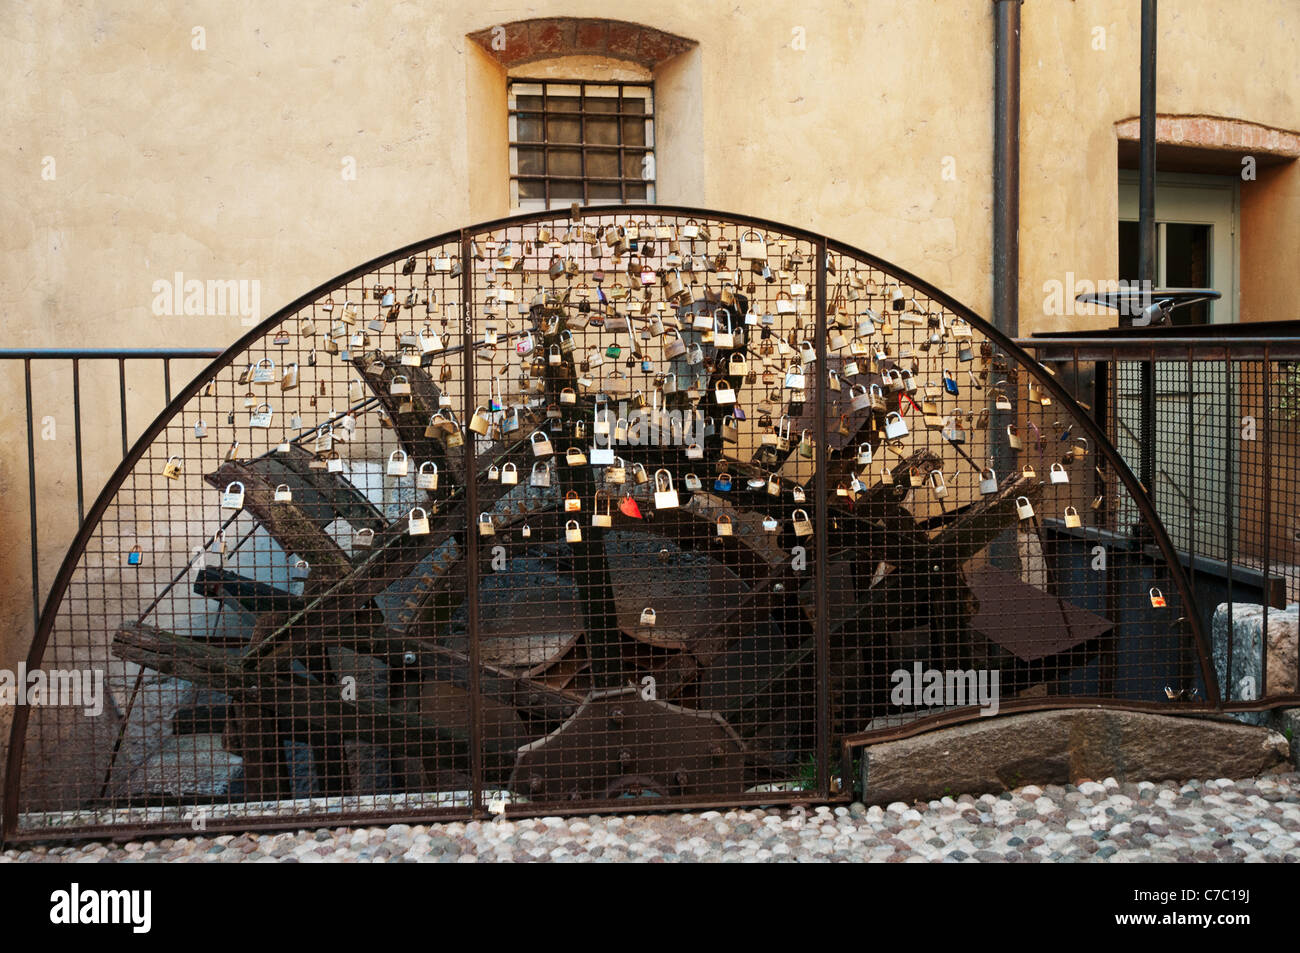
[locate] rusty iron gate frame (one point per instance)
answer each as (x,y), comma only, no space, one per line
(825,746)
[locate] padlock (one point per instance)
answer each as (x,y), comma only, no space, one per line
(172,468)
(949,382)
(485,525)
(1080,448)
(1000,399)
(398,464)
(261,416)
(1072,520)
(541,475)
(794,378)
(1013,437)
(937,485)
(1058,474)
(1024,509)
(665,496)
(572,532)
(647,616)
(333,462)
(399,386)
(481,422)
(724,525)
(1027,473)
(723,393)
(233,497)
(752,246)
(363,538)
(200,429)
(572,502)
(283,494)
(264,371)
(494,474)
(428,340)
(1157,599)
(290,379)
(802,524)
(864,455)
(133,557)
(526,531)
(737,365)
(301,569)
(895,426)
(860,397)
(988,481)
(541,444)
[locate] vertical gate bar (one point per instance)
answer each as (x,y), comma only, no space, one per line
(76,423)
(121,395)
(467,326)
(1109,671)
(820,547)
(167,380)
(1191,478)
(1229,544)
(1185,651)
(31,495)
(1267,468)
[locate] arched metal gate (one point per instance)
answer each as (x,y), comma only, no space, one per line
(563,511)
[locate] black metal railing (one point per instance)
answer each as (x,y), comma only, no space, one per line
(152,388)
(1222,435)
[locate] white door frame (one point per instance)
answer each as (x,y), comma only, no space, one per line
(1191,199)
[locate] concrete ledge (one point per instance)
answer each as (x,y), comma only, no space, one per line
(1068,746)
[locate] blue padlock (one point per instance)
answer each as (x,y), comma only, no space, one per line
(722,483)
(949,383)
(133,557)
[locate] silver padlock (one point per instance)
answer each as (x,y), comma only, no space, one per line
(895,426)
(233,497)
(261,416)
(665,496)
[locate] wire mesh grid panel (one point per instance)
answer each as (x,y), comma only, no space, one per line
(564,512)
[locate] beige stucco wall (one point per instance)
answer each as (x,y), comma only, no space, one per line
(227,162)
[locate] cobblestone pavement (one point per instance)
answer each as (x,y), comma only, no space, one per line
(1253,820)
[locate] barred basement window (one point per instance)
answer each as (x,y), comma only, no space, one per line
(585,142)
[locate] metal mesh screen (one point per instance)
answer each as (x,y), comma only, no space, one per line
(563,513)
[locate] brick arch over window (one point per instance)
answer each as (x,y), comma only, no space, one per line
(1195,143)
(524,41)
